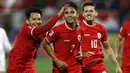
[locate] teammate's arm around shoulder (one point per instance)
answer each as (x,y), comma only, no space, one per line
(111,55)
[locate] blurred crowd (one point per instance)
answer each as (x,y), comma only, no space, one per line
(112,13)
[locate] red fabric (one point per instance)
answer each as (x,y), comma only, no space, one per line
(44,28)
(125,32)
(22,70)
(25,48)
(65,43)
(97,68)
(93,35)
(72,69)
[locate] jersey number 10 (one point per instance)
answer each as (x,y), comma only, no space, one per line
(93,43)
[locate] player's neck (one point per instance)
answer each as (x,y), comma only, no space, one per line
(71,25)
(90,22)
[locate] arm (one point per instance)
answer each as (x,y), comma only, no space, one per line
(47,26)
(110,54)
(61,64)
(118,48)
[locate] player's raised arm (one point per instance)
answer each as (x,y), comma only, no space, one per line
(49,24)
(110,54)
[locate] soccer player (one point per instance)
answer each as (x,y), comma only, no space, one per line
(4,46)
(23,54)
(95,35)
(66,41)
(125,56)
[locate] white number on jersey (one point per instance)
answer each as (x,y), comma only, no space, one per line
(93,43)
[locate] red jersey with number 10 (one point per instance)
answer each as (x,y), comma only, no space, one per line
(91,41)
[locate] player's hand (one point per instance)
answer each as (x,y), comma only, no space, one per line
(118,69)
(62,9)
(88,54)
(61,64)
(79,56)
(119,57)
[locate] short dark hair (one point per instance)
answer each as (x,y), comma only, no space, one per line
(32,10)
(72,4)
(88,4)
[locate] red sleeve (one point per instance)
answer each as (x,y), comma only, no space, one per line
(45,27)
(122,31)
(27,30)
(104,36)
(52,36)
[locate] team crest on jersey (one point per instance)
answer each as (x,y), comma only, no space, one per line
(79,37)
(99,35)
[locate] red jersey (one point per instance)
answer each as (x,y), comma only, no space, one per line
(66,41)
(25,48)
(91,41)
(125,33)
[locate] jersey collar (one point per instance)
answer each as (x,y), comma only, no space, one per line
(89,25)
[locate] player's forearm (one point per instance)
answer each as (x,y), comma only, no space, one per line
(111,55)
(47,26)
(118,46)
(49,50)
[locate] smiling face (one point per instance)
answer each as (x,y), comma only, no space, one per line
(70,15)
(89,13)
(34,20)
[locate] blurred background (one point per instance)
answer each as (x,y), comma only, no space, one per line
(112,14)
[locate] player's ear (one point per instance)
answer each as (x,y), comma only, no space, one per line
(27,21)
(96,13)
(77,15)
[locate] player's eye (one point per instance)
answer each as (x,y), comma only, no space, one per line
(91,11)
(86,11)
(72,12)
(66,12)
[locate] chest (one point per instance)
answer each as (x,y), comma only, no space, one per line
(93,33)
(70,36)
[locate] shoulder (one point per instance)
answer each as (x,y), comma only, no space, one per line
(59,27)
(126,24)
(100,26)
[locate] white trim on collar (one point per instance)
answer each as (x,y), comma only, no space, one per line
(69,27)
(89,25)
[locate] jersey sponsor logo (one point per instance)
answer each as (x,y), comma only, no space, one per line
(86,34)
(79,37)
(99,35)
(66,40)
(51,33)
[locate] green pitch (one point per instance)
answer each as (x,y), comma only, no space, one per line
(44,66)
